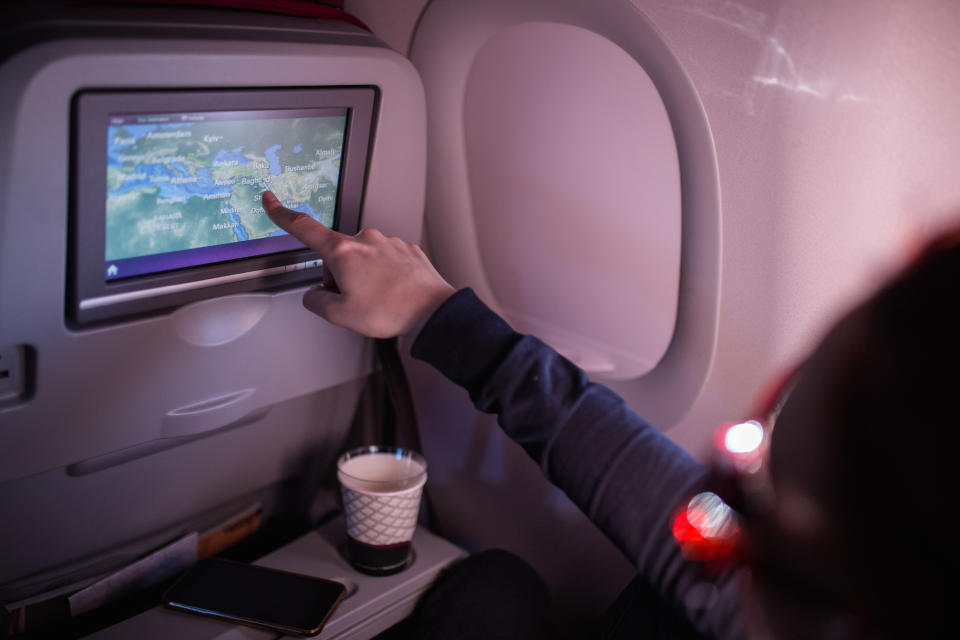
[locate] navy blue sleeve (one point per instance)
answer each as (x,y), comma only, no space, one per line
(623,473)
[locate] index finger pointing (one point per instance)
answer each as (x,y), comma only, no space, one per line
(301,226)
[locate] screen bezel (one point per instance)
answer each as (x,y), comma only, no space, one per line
(91,298)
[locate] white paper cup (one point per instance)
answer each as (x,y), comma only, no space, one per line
(381,489)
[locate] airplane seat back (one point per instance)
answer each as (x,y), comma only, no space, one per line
(122,434)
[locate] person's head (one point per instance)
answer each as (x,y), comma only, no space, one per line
(860,542)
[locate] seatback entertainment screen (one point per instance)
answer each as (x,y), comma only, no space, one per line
(167,191)
(183,189)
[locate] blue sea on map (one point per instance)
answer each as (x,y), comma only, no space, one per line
(271,154)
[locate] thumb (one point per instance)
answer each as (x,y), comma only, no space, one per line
(324,302)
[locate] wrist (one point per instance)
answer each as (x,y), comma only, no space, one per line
(433,302)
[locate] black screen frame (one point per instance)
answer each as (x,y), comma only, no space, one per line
(92,299)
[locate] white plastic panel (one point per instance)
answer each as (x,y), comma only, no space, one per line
(143,363)
(373,603)
(138,429)
(594,274)
(472,462)
(575,188)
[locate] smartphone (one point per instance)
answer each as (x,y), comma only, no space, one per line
(256,596)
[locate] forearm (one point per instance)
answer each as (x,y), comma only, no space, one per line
(623,473)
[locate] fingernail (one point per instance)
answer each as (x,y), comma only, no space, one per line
(269,200)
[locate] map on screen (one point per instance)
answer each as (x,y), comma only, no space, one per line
(178,182)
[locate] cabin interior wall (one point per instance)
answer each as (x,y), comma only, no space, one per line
(835,134)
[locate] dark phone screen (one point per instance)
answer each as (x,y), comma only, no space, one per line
(252,594)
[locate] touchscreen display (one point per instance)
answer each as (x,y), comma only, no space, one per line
(183,189)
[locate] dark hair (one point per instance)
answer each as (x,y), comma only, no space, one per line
(874,442)
(899,407)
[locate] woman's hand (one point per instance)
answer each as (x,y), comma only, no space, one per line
(375,285)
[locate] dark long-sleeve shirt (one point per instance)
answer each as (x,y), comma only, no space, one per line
(623,473)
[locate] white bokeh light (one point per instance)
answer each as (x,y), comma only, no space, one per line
(743,437)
